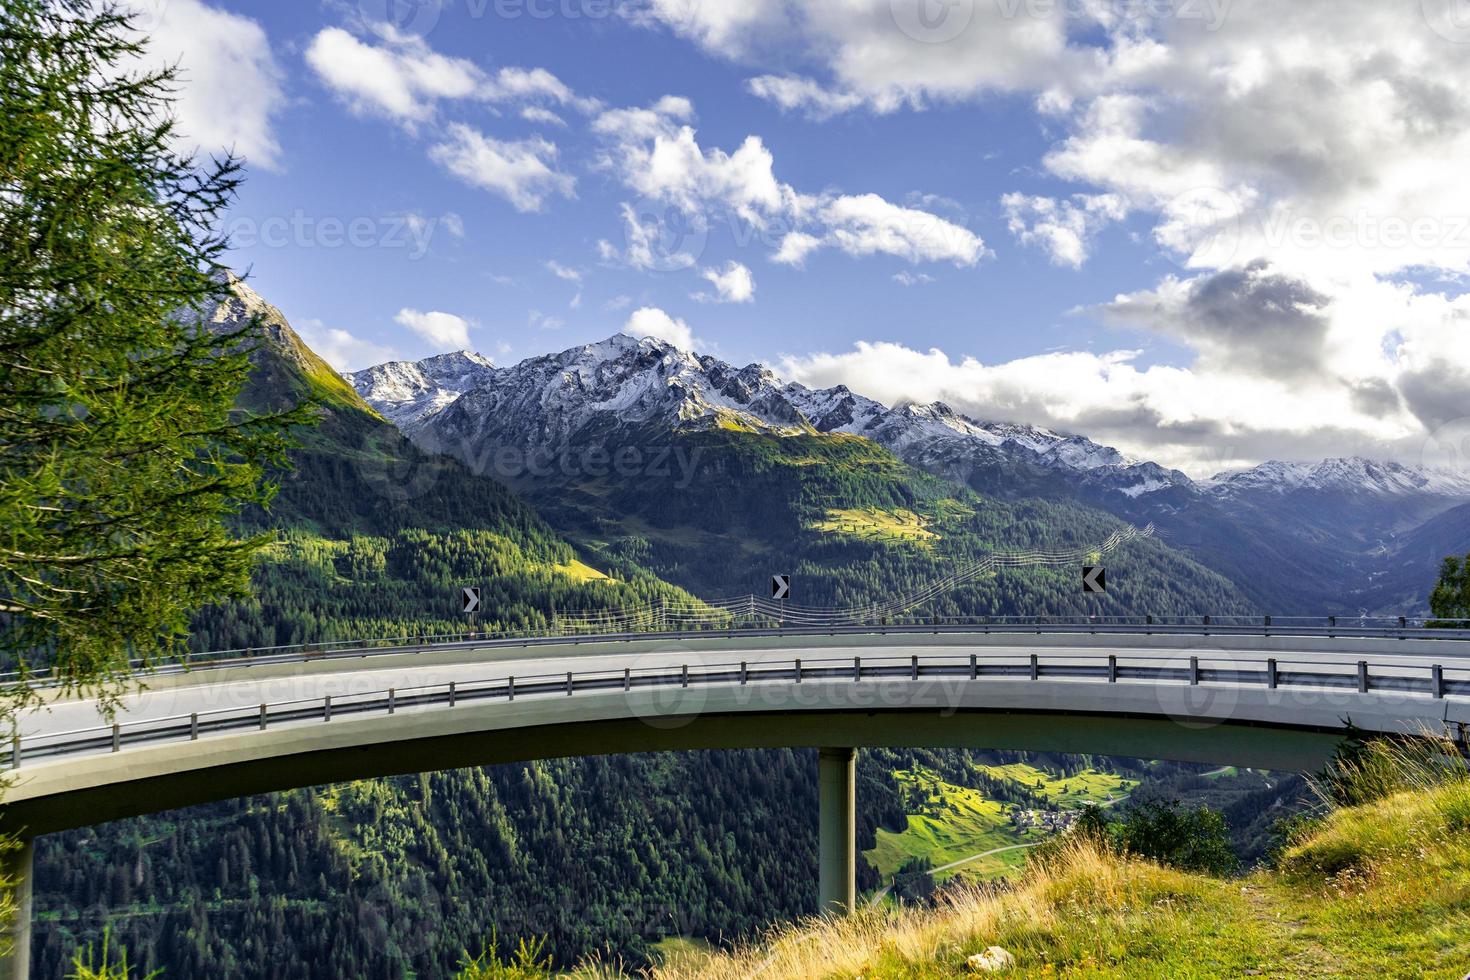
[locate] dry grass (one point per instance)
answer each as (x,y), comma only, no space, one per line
(1037,920)
(1379,888)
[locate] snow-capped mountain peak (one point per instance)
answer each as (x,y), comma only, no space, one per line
(409,392)
(1352,474)
(546,403)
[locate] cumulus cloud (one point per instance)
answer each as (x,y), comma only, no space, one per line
(732,284)
(401,81)
(1064,229)
(229,90)
(795,93)
(888,54)
(402,78)
(656,153)
(866,224)
(1252,320)
(522,171)
(650,321)
(1301,165)
(1199,422)
(444,330)
(340,348)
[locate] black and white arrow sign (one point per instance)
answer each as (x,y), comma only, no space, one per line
(1094,578)
(780,586)
(471,599)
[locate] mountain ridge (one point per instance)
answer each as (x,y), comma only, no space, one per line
(1306,538)
(932,435)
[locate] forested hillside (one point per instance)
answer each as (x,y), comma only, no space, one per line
(855,524)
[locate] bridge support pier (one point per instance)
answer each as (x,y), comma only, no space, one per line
(837,830)
(15,865)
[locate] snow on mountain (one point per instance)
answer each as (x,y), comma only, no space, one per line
(1353,475)
(462,404)
(409,392)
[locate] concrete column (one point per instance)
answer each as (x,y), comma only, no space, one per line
(16,866)
(837,830)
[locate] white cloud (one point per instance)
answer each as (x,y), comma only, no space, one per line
(536,114)
(403,79)
(1283,368)
(522,171)
(733,284)
(1064,229)
(531,84)
(443,330)
(866,224)
(889,53)
(1200,423)
(340,348)
(563,272)
(795,247)
(651,245)
(619,302)
(544,321)
(650,321)
(229,84)
(1303,163)
(906,278)
(792,92)
(656,153)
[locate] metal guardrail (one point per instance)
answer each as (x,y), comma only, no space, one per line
(1436,681)
(1331,627)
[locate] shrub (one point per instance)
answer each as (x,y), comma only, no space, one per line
(527,962)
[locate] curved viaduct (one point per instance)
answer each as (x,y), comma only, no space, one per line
(1246,697)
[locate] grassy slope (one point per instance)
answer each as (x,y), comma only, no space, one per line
(958,821)
(1377,890)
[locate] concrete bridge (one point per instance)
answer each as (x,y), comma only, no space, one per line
(1253,696)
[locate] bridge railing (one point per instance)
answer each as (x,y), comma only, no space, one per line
(1332,627)
(1361,677)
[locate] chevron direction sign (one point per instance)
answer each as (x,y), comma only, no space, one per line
(780,586)
(1094,578)
(471,599)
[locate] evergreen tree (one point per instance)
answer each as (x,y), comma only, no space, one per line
(122,452)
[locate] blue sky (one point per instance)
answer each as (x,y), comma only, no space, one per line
(1085,214)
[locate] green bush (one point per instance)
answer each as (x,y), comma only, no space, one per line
(1190,840)
(1451,596)
(527,962)
(1160,831)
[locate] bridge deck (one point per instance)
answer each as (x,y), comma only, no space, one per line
(1274,702)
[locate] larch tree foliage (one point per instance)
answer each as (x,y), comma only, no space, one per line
(123,455)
